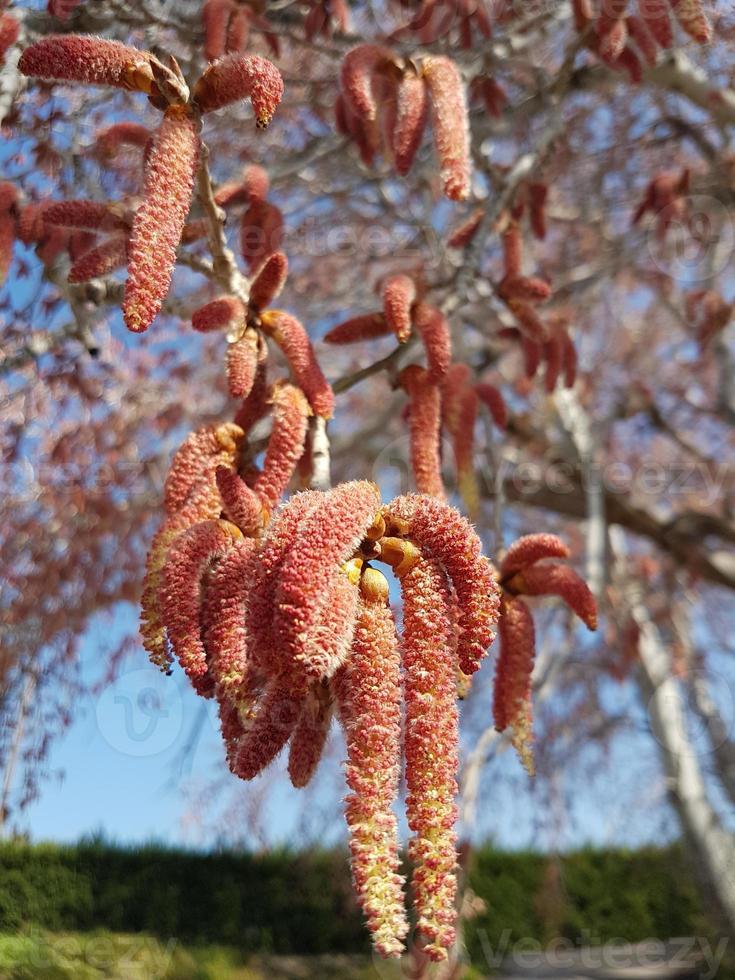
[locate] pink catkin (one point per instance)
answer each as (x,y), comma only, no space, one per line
(431,747)
(109,255)
(293,340)
(450,124)
(326,540)
(463,440)
(464,233)
(266,735)
(327,645)
(196,459)
(240,503)
(253,187)
(657,17)
(261,232)
(553,356)
(529,322)
(242,364)
(412,109)
(450,539)
(89,60)
(7,240)
(512,243)
(562,581)
(529,549)
(291,413)
(92,215)
(9,30)
(269,281)
(424,399)
(643,39)
(159,221)
(512,687)
(180,591)
(356,77)
(433,328)
(368,326)
(399,295)
(215,18)
(309,737)
(236,77)
(227,312)
(281,536)
(368,690)
(492,399)
(255,406)
(223,618)
(108,141)
(524,288)
(238,33)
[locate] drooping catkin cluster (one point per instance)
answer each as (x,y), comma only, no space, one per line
(280,614)
(631,41)
(708,313)
(385,103)
(443,397)
(147,241)
(525,572)
(435,19)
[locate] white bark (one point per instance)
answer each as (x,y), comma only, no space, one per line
(712,846)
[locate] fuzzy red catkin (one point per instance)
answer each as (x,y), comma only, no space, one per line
(524,288)
(196,459)
(657,18)
(463,439)
(267,733)
(493,400)
(236,77)
(240,504)
(180,590)
(367,326)
(269,281)
(553,357)
(464,233)
(451,539)
(412,111)
(327,646)
(399,295)
(89,60)
(242,364)
(309,737)
(160,218)
(326,539)
(261,232)
(223,619)
(108,140)
(537,194)
(215,18)
(99,261)
(293,340)
(368,690)
(560,580)
(280,538)
(255,406)
(7,240)
(512,243)
(433,328)
(424,426)
(450,124)
(254,186)
(92,215)
(291,413)
(431,746)
(224,312)
(239,30)
(529,549)
(529,322)
(512,687)
(358,67)
(643,39)
(9,30)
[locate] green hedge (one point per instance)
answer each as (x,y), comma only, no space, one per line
(302,902)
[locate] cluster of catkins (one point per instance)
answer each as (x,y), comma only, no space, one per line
(546,340)
(284,619)
(629,41)
(147,239)
(384,105)
(442,397)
